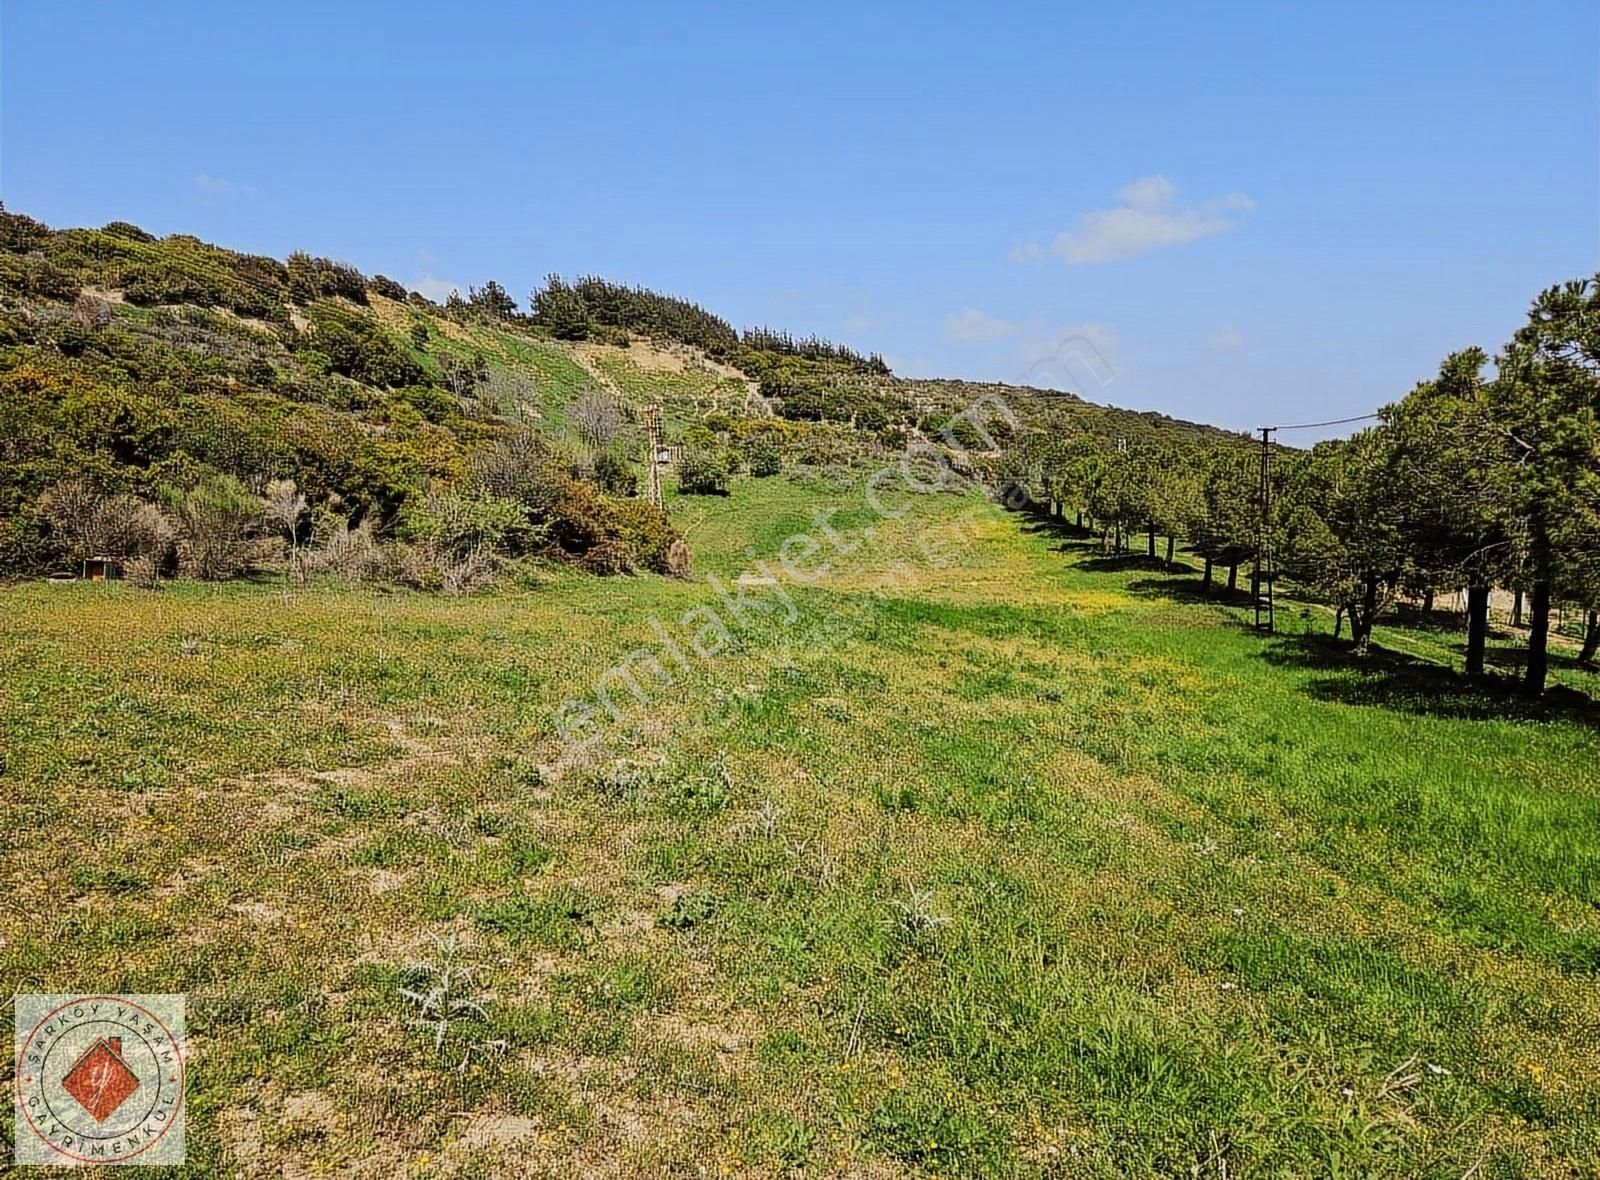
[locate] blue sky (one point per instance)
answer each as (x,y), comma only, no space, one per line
(1241,213)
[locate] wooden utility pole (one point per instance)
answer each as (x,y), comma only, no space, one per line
(656,444)
(1265,620)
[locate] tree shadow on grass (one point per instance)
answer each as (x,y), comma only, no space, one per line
(1435,622)
(1384,677)
(1183,585)
(1121,563)
(1513,660)
(1041,524)
(1393,680)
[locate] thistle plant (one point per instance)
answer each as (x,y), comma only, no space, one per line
(449,999)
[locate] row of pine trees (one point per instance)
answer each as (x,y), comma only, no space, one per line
(1487,475)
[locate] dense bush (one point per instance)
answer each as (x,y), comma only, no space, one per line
(387,287)
(148,286)
(762,456)
(365,353)
(34,274)
(86,522)
(459,524)
(648,538)
(615,474)
(215,520)
(605,534)
(20,234)
(313,278)
(126,229)
(600,532)
(703,471)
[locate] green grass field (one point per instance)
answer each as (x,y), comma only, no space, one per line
(1000,859)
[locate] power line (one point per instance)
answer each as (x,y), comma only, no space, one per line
(1330,422)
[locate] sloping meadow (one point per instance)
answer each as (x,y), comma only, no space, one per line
(956,856)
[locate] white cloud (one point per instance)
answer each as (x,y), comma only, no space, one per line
(971,325)
(216,186)
(1150,192)
(1227,339)
(1149,217)
(434,288)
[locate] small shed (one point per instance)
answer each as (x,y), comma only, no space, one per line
(101,569)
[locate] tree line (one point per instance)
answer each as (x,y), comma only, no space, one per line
(1486,475)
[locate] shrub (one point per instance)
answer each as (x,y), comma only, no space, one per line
(513,468)
(366,354)
(703,472)
(763,457)
(458,526)
(462,377)
(260,373)
(597,417)
(90,313)
(87,523)
(127,231)
(214,519)
(41,277)
(348,553)
(143,571)
(24,543)
(605,534)
(69,337)
(20,233)
(471,572)
(433,404)
(388,288)
(615,475)
(871,417)
(310,278)
(652,542)
(152,285)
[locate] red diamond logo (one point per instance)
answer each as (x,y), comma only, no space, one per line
(100,1080)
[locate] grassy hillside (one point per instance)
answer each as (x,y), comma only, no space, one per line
(144,364)
(1002,859)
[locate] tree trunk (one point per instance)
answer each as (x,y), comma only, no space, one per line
(1538,640)
(1206,581)
(1427,601)
(1591,638)
(1152,535)
(1516,609)
(1080,520)
(1255,581)
(1477,627)
(1169,550)
(1233,577)
(1338,621)
(1361,626)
